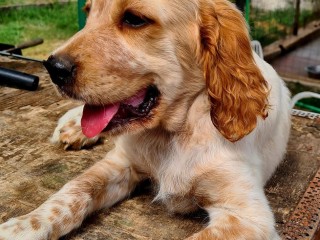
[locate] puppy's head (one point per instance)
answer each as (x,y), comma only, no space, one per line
(138,64)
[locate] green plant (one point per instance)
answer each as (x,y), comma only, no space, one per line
(269,26)
(56,21)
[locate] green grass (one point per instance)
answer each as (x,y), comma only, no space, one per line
(23,2)
(16,2)
(57,21)
(54,23)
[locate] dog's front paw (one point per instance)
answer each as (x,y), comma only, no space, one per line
(69,133)
(28,227)
(71,137)
(235,231)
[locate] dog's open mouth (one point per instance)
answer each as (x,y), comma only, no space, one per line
(96,119)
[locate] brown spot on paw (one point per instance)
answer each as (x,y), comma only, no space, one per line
(66,220)
(51,218)
(56,228)
(75,208)
(56,212)
(35,223)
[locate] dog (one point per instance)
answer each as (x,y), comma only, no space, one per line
(190,106)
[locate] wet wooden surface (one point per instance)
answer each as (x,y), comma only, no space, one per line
(31,168)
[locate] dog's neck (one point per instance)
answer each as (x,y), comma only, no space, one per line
(189,117)
(186,100)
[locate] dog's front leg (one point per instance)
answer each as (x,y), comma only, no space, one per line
(104,184)
(237,206)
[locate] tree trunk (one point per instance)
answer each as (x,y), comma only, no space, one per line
(296,18)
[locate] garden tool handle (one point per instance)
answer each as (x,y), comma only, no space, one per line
(18,79)
(24,45)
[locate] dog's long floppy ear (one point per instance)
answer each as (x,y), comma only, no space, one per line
(237,90)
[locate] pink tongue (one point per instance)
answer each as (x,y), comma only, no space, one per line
(96,118)
(137,99)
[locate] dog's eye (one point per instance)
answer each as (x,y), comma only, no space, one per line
(87,7)
(132,20)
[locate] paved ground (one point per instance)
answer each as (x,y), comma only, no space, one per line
(295,62)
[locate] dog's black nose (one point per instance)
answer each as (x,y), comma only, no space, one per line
(61,70)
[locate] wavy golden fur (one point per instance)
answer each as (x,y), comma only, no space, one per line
(237,90)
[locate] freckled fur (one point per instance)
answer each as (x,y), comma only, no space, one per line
(216,136)
(35,224)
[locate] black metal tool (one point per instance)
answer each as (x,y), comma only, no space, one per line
(4,53)
(14,78)
(18,79)
(15,52)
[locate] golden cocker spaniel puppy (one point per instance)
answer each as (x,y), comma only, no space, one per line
(190,106)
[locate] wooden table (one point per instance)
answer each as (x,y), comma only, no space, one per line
(31,169)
